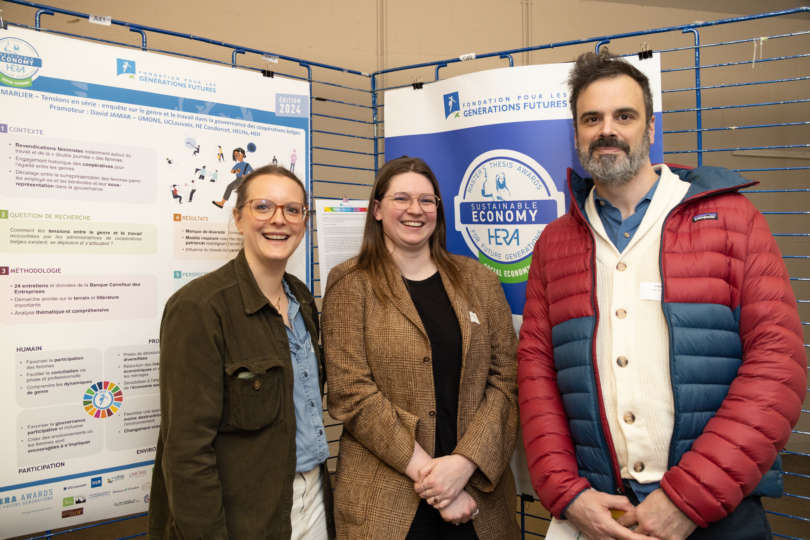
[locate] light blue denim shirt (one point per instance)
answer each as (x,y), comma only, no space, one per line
(621,231)
(310,439)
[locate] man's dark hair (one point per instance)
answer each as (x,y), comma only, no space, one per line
(591,67)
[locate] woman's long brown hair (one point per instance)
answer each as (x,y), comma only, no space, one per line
(374,256)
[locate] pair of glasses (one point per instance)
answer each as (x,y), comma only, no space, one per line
(263,209)
(402,201)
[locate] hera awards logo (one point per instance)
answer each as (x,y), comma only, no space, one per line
(452,107)
(19,62)
(504,201)
(125,67)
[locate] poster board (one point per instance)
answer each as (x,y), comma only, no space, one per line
(111,160)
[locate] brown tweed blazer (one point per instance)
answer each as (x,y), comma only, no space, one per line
(380,385)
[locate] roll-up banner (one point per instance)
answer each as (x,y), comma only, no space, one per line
(500,143)
(117,169)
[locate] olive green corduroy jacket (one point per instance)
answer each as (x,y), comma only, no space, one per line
(225,459)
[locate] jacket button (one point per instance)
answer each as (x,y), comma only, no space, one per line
(621,267)
(432,413)
(622,361)
(629,417)
(621,313)
(426,359)
(638,466)
(257,384)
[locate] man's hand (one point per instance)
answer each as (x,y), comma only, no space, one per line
(441,480)
(590,513)
(460,510)
(659,517)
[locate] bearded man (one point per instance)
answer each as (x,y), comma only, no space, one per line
(661,361)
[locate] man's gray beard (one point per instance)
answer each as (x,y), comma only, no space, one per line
(610,168)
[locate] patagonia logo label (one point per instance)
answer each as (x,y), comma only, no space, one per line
(703,217)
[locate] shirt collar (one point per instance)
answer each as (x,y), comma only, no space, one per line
(294,305)
(645,199)
(252,297)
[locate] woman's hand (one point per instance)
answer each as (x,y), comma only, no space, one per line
(441,480)
(460,510)
(419,460)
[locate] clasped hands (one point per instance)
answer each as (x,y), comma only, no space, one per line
(441,483)
(655,518)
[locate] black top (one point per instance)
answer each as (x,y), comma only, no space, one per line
(443,331)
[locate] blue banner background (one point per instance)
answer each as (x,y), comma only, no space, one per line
(449,153)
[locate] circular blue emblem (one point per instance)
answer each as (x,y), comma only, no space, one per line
(19,62)
(504,202)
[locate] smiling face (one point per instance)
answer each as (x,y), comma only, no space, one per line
(612,132)
(271,241)
(409,229)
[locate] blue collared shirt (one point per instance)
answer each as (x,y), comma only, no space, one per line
(619,231)
(311,448)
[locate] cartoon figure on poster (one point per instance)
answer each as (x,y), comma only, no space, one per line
(240,169)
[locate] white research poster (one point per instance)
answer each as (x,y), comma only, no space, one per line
(111,162)
(500,143)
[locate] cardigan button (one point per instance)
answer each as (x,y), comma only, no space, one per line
(621,267)
(426,359)
(431,413)
(622,361)
(257,384)
(629,417)
(621,313)
(638,466)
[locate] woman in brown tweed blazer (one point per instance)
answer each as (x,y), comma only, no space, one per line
(420,360)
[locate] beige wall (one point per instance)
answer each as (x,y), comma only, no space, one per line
(370,35)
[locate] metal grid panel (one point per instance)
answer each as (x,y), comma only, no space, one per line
(734,95)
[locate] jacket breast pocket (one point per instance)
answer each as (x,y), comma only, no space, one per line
(254,392)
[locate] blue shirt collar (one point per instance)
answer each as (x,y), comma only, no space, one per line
(647,198)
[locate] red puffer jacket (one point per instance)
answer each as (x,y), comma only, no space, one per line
(735,341)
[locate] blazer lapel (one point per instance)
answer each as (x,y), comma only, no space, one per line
(463,314)
(401,299)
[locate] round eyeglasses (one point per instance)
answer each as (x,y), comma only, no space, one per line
(264,209)
(402,201)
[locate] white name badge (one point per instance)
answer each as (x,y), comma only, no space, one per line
(650,290)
